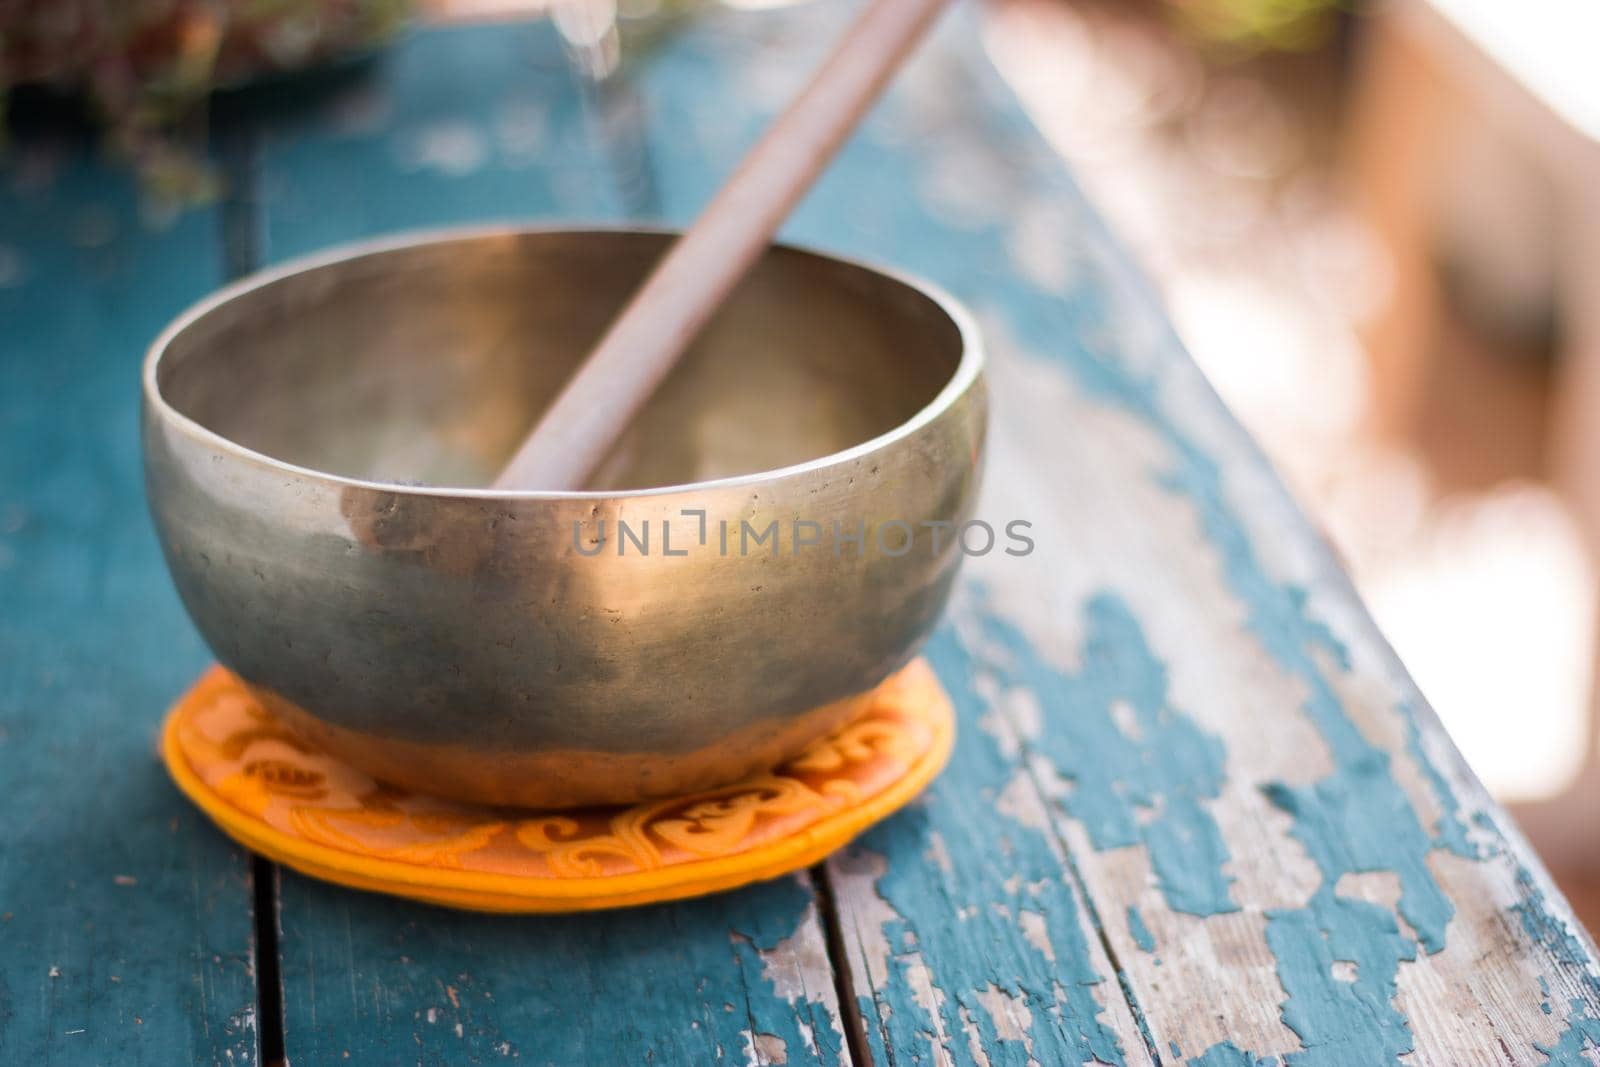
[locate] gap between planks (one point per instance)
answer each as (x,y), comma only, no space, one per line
(855,1031)
(239,229)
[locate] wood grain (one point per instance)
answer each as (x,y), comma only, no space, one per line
(125,922)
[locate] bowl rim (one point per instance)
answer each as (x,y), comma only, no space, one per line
(967,372)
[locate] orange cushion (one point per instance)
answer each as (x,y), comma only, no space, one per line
(275,794)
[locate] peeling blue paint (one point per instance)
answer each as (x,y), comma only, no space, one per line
(1582,1029)
(1227,1054)
(1491,844)
(987,946)
(1566,950)
(1166,767)
(761,921)
(1554,933)
(1449,832)
(1582,1032)
(1140,932)
(1340,1022)
(1357,820)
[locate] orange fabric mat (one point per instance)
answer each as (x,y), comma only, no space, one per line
(276,795)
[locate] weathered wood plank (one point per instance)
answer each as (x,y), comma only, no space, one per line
(1286,854)
(466,124)
(1285,851)
(125,922)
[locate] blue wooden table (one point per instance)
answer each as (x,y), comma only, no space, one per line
(1197,812)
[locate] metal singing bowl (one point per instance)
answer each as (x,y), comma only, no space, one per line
(315,437)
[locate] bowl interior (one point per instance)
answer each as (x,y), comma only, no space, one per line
(428,363)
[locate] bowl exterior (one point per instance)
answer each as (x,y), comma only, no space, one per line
(550,651)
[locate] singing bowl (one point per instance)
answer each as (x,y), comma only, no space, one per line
(317,440)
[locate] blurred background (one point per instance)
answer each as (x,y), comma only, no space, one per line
(1376,226)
